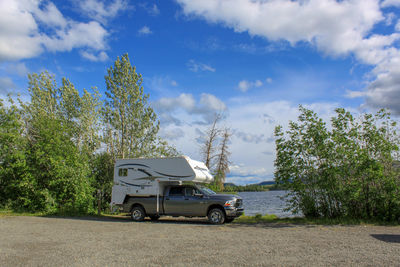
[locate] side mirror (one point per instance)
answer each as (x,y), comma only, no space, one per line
(198,195)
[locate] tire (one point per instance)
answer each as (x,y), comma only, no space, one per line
(154,217)
(229,220)
(137,214)
(216,216)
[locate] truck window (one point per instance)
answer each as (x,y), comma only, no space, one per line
(176,191)
(123,172)
(189,191)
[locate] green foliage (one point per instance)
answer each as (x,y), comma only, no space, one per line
(247,188)
(49,147)
(238,188)
(102,166)
(347,171)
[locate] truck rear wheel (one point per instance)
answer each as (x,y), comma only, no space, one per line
(216,216)
(137,214)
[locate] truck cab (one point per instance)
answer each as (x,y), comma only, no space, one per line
(188,201)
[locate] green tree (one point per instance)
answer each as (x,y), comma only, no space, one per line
(131,125)
(52,124)
(347,171)
(18,189)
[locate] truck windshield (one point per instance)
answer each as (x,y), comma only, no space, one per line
(206,190)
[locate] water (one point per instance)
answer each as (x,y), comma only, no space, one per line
(265,202)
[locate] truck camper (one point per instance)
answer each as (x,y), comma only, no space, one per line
(172,186)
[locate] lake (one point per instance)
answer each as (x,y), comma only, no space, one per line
(265,202)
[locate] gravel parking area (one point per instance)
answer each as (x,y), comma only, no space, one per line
(47,241)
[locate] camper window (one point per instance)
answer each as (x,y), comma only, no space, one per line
(123,172)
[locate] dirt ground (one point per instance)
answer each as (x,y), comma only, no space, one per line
(47,241)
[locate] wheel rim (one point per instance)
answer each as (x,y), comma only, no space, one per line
(136,214)
(216,217)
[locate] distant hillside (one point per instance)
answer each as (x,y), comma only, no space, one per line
(267,183)
(262,183)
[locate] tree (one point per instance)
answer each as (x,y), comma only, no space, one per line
(131,125)
(208,148)
(18,189)
(222,167)
(347,171)
(52,130)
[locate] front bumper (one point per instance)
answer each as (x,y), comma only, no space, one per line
(232,212)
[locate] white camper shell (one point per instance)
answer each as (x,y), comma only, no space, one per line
(147,177)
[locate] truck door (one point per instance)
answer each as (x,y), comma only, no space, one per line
(174,201)
(195,205)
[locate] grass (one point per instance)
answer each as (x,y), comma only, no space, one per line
(6,212)
(271,218)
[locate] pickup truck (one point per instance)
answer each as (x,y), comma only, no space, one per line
(188,201)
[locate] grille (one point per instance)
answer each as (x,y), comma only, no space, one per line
(238,203)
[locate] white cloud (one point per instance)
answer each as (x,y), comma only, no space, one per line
(19,36)
(22,35)
(184,101)
(145,31)
(250,137)
(389,18)
(91,35)
(172,134)
(151,9)
(97,10)
(102,56)
(354,94)
(245,85)
(397,27)
(389,3)
(210,102)
(17,68)
(197,66)
(337,28)
(6,85)
(174,83)
(201,111)
(268,80)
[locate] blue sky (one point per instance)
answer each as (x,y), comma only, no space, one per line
(256,61)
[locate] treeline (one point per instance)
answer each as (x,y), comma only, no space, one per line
(246,188)
(348,170)
(57,150)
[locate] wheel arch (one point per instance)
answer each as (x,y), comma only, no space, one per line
(213,206)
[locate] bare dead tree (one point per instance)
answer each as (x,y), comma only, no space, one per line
(208,148)
(223,158)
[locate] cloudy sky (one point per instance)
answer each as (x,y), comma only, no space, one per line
(253,60)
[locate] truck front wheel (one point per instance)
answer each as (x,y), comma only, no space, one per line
(137,214)
(216,216)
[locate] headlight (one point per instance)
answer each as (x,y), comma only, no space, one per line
(230,203)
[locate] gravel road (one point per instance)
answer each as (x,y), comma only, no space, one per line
(47,241)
